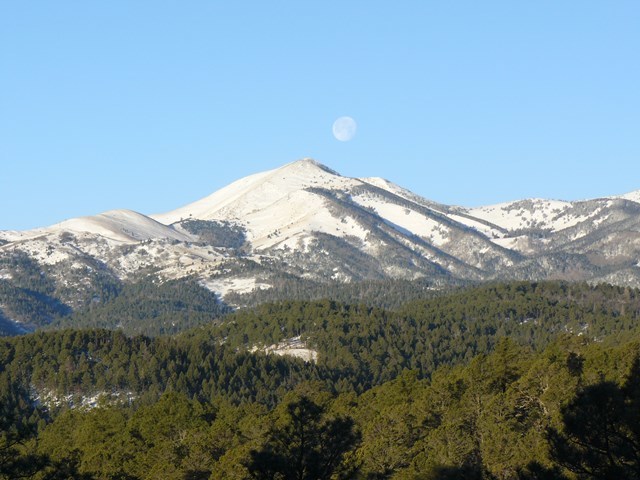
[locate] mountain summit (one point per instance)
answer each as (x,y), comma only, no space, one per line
(305,221)
(256,192)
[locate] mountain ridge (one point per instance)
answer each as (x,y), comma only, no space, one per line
(304,220)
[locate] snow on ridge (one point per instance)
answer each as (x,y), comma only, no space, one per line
(633,196)
(257,192)
(20,235)
(401,192)
(281,210)
(477,224)
(11,235)
(528,213)
(217,200)
(120,225)
(391,187)
(406,220)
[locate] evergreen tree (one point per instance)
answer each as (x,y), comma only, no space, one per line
(307,446)
(601,436)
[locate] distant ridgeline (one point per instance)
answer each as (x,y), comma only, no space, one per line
(300,232)
(515,381)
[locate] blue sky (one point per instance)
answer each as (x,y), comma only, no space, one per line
(150,105)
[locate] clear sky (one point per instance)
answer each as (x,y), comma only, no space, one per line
(149,105)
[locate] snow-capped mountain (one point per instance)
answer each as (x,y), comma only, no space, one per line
(333,227)
(303,220)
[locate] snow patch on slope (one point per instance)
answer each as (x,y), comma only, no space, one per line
(292,347)
(550,215)
(297,212)
(488,230)
(633,196)
(390,187)
(222,286)
(406,220)
(534,213)
(51,399)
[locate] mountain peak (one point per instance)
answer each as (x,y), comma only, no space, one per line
(240,199)
(308,164)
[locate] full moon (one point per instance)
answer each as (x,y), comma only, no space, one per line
(344,128)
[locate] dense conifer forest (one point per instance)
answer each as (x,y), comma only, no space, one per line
(500,381)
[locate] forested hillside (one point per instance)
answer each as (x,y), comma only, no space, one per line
(34,299)
(376,344)
(149,307)
(510,414)
(504,381)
